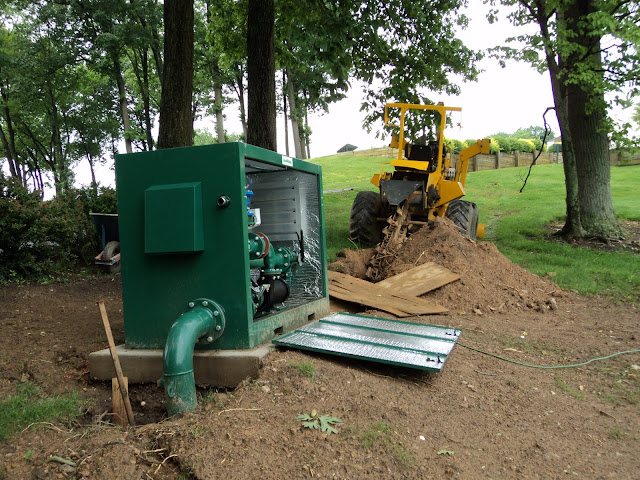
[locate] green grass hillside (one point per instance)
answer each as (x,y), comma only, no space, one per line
(516,222)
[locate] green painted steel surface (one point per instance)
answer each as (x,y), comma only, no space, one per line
(178,377)
(424,347)
(173,218)
(157,287)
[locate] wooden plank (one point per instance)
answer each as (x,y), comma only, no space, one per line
(352,297)
(359,291)
(420,280)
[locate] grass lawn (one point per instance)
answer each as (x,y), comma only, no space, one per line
(516,222)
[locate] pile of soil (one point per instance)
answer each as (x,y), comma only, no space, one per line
(488,280)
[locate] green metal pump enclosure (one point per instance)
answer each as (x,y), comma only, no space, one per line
(186,216)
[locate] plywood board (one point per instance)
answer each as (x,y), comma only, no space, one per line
(420,280)
(351,289)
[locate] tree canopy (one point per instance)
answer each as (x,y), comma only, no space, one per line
(590,48)
(81,78)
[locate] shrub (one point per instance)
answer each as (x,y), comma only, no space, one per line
(459,145)
(524,145)
(39,237)
(507,144)
(538,145)
(104,200)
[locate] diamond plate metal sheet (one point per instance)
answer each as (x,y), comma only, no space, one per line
(425,347)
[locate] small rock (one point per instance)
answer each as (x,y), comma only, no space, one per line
(553,304)
(266,389)
(477,311)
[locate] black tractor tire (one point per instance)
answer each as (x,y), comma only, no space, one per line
(465,216)
(364,226)
(111,249)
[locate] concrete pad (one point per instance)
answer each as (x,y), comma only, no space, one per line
(219,368)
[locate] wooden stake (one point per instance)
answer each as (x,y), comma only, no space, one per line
(119,409)
(116,365)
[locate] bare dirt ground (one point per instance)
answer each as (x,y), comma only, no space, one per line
(481,417)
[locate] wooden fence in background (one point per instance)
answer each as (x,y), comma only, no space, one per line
(507,160)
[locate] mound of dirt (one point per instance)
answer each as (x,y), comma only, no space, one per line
(488,280)
(352,262)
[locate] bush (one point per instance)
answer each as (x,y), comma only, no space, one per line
(524,145)
(39,238)
(104,201)
(507,144)
(538,145)
(459,145)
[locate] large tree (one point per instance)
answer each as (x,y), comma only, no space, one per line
(261,73)
(583,75)
(176,115)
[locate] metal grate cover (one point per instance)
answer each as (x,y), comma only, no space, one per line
(425,347)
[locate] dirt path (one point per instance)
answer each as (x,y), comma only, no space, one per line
(479,418)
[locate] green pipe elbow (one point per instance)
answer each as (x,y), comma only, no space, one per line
(204,319)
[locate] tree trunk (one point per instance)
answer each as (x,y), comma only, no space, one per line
(243,113)
(597,216)
(176,117)
(587,120)
(9,155)
(62,174)
(146,99)
(217,99)
(303,143)
(571,228)
(284,109)
(124,108)
(261,72)
(155,45)
(94,183)
(9,144)
(295,126)
(306,129)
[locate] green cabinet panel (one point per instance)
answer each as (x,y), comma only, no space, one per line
(173,218)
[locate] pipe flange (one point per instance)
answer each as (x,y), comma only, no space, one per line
(217,312)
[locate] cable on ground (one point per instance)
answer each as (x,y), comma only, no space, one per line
(547,367)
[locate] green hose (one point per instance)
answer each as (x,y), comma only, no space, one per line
(549,367)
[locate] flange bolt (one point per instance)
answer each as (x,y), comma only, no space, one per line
(191,304)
